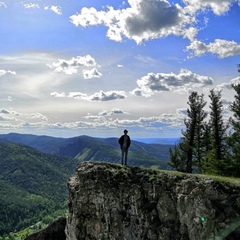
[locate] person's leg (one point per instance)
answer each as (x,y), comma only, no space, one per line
(126,155)
(122,155)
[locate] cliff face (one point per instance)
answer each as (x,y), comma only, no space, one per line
(115,202)
(54,231)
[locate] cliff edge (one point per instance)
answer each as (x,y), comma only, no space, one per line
(108,201)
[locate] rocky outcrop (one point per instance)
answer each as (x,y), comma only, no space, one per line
(54,231)
(109,201)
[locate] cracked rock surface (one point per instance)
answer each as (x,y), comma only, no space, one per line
(109,201)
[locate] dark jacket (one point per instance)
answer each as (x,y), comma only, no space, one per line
(121,141)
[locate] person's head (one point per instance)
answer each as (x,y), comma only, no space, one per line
(125,132)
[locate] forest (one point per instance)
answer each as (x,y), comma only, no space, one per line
(209,146)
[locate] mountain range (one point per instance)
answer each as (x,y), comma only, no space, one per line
(35,170)
(85,148)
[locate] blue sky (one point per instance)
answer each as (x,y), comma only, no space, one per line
(69,68)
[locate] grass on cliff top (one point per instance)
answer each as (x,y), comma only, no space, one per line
(221,179)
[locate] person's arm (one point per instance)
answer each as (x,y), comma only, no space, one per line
(129,141)
(120,141)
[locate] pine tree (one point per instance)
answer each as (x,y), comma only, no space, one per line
(200,135)
(234,139)
(178,157)
(190,147)
(217,156)
(206,143)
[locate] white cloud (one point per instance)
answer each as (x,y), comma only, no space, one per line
(55,9)
(5,72)
(5,111)
(218,6)
(31,5)
(164,121)
(222,48)
(114,111)
(77,95)
(37,116)
(107,96)
(2,4)
(92,73)
(94,117)
(143,20)
(59,95)
(226,102)
(228,85)
(161,82)
(96,97)
(71,66)
(150,19)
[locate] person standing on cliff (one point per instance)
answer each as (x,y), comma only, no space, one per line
(124,142)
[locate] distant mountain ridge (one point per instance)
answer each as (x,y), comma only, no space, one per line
(85,148)
(164,141)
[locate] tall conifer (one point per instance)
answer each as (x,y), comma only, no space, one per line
(234,139)
(188,150)
(217,156)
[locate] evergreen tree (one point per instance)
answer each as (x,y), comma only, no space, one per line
(206,143)
(190,147)
(200,146)
(234,139)
(178,156)
(217,156)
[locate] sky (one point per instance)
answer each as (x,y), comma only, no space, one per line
(90,67)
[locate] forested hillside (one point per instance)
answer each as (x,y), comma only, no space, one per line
(32,185)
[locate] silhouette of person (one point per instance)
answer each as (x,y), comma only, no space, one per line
(124,142)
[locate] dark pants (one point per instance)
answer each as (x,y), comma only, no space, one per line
(124,155)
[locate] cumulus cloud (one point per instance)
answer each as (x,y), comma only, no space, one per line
(107,96)
(228,85)
(5,111)
(222,48)
(170,120)
(37,116)
(55,9)
(5,72)
(71,66)
(100,96)
(92,73)
(59,95)
(143,20)
(2,4)
(114,111)
(226,101)
(162,82)
(105,115)
(31,5)
(218,7)
(78,95)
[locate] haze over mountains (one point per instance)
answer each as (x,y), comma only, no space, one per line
(85,148)
(35,170)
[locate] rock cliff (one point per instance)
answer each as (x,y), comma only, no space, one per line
(116,202)
(54,231)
